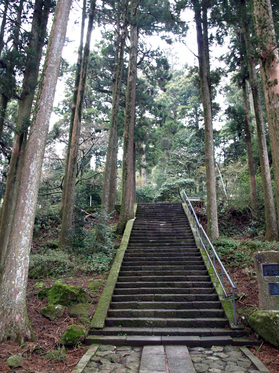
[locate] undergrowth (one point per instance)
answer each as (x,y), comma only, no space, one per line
(241,252)
(91,249)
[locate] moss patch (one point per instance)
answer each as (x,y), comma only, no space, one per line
(66,295)
(81,312)
(15,361)
(266,324)
(73,335)
(53,311)
(96,285)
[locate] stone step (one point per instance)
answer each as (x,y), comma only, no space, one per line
(159,263)
(158,240)
(162,272)
(122,296)
(151,223)
(160,284)
(149,268)
(162,233)
(166,278)
(173,257)
(160,255)
(141,340)
(161,228)
(165,322)
(165,313)
(161,250)
(177,331)
(189,341)
(165,305)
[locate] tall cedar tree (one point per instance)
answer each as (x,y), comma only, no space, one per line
(128,163)
(9,83)
(270,210)
(269,61)
(14,322)
(37,39)
(75,92)
(68,196)
(200,9)
(110,174)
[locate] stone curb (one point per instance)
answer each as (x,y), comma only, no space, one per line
(85,359)
(100,314)
(259,365)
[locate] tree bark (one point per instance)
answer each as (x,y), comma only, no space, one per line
(110,174)
(71,171)
(212,216)
(36,43)
(10,70)
(269,62)
(128,170)
(270,210)
(14,322)
(251,165)
(3,25)
(75,95)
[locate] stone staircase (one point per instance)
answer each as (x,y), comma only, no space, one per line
(164,294)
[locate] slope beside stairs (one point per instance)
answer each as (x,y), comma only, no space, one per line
(163,294)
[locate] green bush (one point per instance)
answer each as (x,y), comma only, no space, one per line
(50,263)
(47,215)
(225,247)
(169,191)
(146,194)
(89,241)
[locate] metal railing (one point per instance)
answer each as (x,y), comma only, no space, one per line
(220,273)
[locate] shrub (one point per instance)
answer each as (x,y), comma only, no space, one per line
(146,194)
(169,191)
(50,263)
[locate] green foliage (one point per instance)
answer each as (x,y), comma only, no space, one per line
(101,261)
(169,191)
(92,240)
(50,263)
(47,215)
(146,194)
(240,254)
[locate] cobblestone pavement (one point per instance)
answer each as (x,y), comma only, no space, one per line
(225,359)
(168,359)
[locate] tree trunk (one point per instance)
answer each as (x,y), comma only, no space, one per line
(14,270)
(270,210)
(251,165)
(269,61)
(10,70)
(128,171)
(36,43)
(212,216)
(3,25)
(75,95)
(110,174)
(71,171)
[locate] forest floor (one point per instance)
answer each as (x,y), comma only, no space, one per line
(48,332)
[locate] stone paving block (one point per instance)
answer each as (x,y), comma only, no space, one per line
(153,360)
(179,360)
